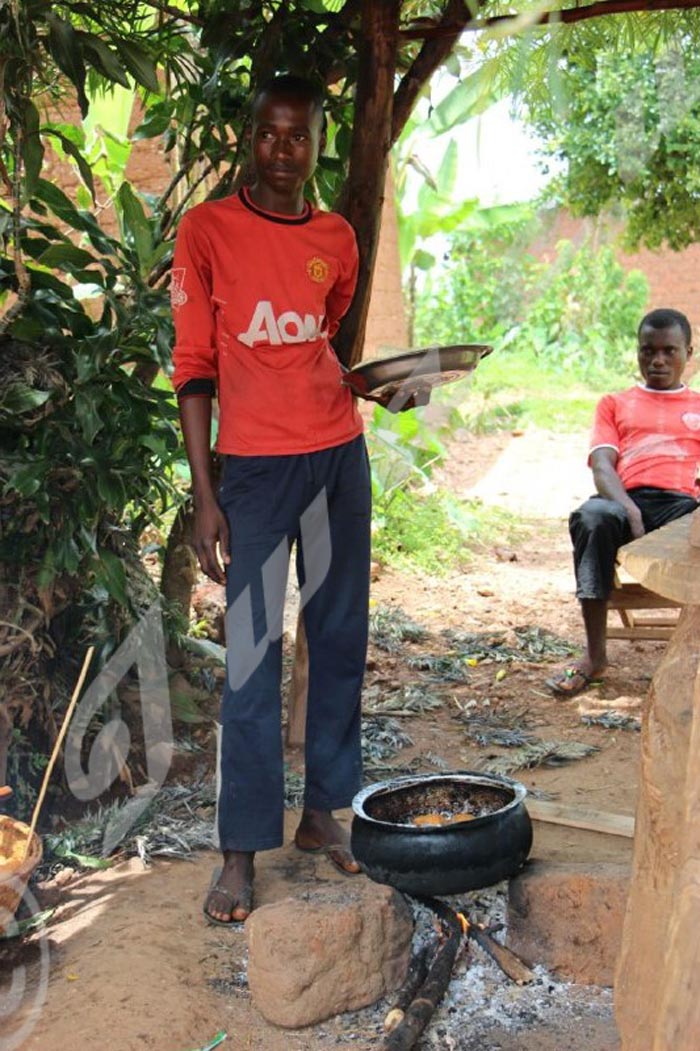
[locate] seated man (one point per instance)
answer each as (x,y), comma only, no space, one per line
(645,452)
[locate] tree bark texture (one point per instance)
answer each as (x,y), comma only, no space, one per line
(430,57)
(364,191)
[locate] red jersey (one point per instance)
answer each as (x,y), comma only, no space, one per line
(255,297)
(656,434)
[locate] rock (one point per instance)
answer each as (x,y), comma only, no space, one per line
(569,918)
(329,950)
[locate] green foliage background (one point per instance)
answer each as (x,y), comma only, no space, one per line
(625,127)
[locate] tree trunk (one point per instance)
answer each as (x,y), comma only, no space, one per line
(179,574)
(361,203)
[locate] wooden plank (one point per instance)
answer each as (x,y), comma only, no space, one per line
(640,634)
(581,817)
(299,688)
(640,600)
(665,562)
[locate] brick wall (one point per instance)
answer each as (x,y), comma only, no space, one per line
(674,277)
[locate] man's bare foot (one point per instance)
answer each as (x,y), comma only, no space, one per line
(320,833)
(568,682)
(230,899)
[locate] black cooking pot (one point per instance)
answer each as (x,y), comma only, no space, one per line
(442,858)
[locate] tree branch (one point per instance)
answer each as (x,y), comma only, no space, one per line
(176,12)
(435,50)
(565,16)
(363,193)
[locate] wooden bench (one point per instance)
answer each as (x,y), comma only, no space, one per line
(634,605)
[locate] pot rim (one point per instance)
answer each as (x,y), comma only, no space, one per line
(472,777)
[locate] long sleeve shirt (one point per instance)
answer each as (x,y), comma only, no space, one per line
(256,297)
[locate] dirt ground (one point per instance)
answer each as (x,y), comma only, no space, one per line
(132,965)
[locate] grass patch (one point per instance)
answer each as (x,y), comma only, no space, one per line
(437,532)
(511,391)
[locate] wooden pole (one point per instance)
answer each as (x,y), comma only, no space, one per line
(57,747)
(361,202)
(299,688)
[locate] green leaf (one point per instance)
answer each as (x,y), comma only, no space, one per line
(156,122)
(18,398)
(73,151)
(136,224)
(32,148)
(109,572)
(139,63)
(31,923)
(63,207)
(447,172)
(59,257)
(184,708)
(103,59)
(26,480)
(64,45)
(472,96)
(87,861)
(423,260)
(88,416)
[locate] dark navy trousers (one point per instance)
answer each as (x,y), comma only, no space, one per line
(321,501)
(599,527)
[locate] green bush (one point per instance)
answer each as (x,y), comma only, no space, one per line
(577,316)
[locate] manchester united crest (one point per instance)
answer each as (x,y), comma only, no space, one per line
(317,269)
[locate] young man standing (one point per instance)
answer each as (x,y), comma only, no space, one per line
(260,281)
(645,455)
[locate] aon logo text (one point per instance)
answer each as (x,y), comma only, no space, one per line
(289,327)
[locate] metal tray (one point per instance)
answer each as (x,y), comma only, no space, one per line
(415,372)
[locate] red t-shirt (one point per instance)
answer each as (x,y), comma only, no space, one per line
(656,435)
(255,297)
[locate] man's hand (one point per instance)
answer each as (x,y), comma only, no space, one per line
(634,516)
(395,402)
(210,530)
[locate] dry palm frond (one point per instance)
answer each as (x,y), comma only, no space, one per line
(417,765)
(293,790)
(390,627)
(382,738)
(481,645)
(538,753)
(504,728)
(540,644)
(613,720)
(409,700)
(445,668)
(176,822)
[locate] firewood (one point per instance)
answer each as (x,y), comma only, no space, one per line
(415,976)
(506,959)
(421,1009)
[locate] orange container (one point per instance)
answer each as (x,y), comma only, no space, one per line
(15,868)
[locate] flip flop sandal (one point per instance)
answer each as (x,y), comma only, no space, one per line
(215,888)
(331,852)
(559,687)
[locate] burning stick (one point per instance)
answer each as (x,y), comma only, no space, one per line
(510,964)
(420,1010)
(416,975)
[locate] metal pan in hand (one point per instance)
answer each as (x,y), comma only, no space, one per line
(411,374)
